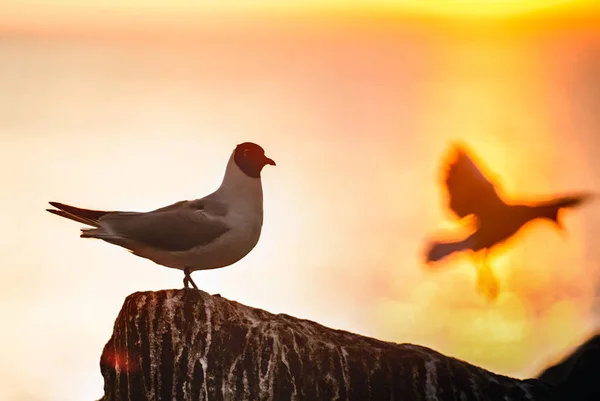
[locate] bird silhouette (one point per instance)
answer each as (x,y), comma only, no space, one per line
(473,194)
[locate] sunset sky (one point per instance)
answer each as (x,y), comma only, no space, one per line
(135,104)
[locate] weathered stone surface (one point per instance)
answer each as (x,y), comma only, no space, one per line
(188,345)
(577,376)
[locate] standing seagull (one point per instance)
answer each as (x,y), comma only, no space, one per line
(207,233)
(471,193)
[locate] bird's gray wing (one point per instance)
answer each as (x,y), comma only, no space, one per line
(171,229)
(469,190)
(210,203)
(175,205)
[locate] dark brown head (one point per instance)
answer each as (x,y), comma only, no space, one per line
(251,159)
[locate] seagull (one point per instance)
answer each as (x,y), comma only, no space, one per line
(207,233)
(473,195)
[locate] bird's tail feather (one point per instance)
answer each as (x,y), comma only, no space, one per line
(90,232)
(66,215)
(85,216)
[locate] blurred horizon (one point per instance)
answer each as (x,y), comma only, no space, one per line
(134,107)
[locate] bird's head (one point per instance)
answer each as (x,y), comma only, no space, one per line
(251,159)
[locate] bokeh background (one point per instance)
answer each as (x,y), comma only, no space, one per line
(133,105)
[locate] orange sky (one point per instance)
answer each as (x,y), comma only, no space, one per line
(358,117)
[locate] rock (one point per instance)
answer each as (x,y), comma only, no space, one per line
(577,376)
(188,345)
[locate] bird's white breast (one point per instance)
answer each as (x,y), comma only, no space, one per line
(245,222)
(244,218)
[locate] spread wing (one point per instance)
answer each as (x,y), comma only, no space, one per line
(178,227)
(469,190)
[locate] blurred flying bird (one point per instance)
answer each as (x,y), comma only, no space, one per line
(207,233)
(472,194)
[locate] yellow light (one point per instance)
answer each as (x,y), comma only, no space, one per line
(358,7)
(483,7)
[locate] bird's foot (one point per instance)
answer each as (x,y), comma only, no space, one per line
(187,279)
(488,284)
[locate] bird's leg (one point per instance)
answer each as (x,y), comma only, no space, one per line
(188,279)
(486,281)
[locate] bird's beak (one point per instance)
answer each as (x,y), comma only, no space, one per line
(269,161)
